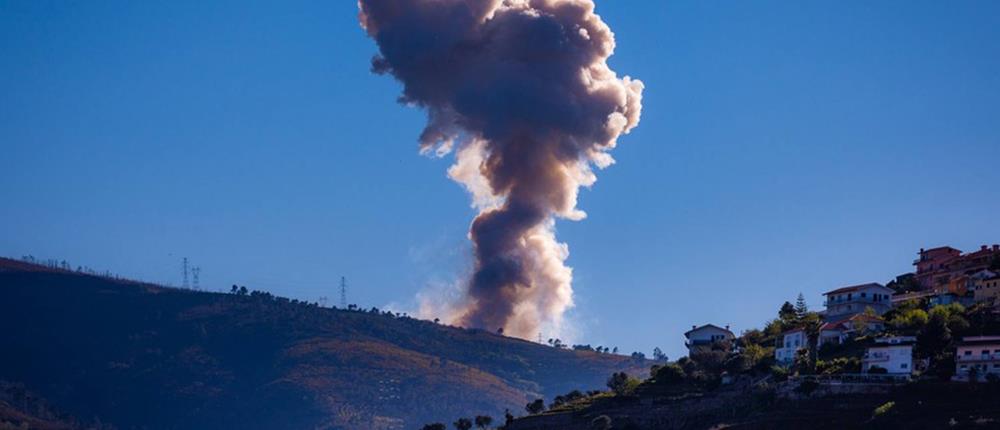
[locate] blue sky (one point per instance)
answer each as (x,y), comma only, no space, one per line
(784,147)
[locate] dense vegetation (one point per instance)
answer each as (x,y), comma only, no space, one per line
(696,385)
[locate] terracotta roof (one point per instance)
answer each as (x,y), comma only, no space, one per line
(980,340)
(856,288)
(842,324)
(942,247)
(839,325)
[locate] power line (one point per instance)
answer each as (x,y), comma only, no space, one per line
(195,272)
(185,264)
(343,292)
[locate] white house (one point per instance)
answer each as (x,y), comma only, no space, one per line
(894,354)
(706,335)
(845,302)
(981,353)
(791,342)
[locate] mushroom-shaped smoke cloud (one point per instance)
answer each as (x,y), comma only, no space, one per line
(522,92)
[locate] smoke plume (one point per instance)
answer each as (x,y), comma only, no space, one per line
(521,91)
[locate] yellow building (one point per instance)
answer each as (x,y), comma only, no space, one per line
(987,290)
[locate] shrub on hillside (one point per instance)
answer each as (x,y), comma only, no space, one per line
(622,384)
(884,409)
(670,373)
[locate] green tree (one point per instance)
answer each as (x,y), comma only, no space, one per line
(669,373)
(658,354)
(463,424)
(812,323)
(535,407)
(909,320)
(621,383)
(483,421)
(787,312)
(801,309)
(752,355)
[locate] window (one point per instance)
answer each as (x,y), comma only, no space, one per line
(986,352)
(903,365)
(967,353)
(864,295)
(996,365)
(963,367)
(796,342)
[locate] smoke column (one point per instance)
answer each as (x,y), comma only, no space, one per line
(521,91)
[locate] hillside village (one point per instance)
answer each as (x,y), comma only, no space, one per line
(944,276)
(922,351)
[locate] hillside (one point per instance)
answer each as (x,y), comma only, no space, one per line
(921,405)
(130,354)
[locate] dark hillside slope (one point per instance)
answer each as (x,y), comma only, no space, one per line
(140,355)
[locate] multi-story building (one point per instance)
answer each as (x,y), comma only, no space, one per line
(979,355)
(894,354)
(987,288)
(937,267)
(845,302)
(707,335)
(790,343)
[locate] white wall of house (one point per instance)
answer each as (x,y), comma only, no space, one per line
(791,343)
(707,334)
(896,359)
(984,356)
(846,303)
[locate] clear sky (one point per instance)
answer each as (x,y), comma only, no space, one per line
(784,147)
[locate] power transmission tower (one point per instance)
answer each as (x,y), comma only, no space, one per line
(343,292)
(195,271)
(185,264)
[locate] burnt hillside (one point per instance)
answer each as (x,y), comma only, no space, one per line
(137,355)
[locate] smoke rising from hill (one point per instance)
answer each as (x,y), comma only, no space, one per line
(521,91)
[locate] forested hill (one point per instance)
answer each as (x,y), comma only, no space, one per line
(134,355)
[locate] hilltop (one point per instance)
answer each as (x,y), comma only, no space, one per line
(127,354)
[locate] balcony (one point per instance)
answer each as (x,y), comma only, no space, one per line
(979,357)
(875,357)
(857,300)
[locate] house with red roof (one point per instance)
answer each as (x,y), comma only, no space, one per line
(937,267)
(836,332)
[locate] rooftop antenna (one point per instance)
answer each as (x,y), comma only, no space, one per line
(195,271)
(343,292)
(185,264)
